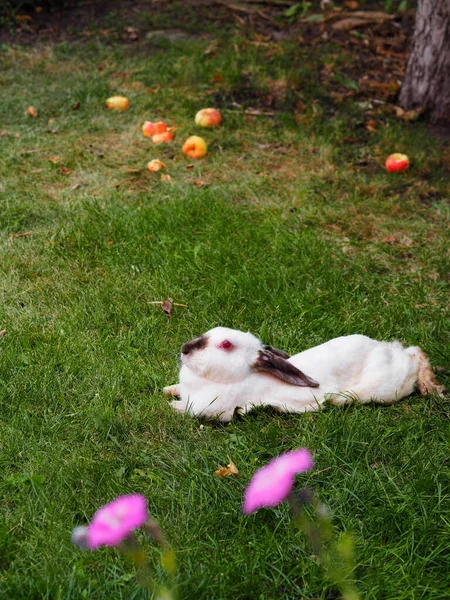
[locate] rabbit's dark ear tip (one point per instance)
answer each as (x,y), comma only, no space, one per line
(277,352)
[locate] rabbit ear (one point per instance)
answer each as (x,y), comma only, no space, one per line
(282,369)
(280,353)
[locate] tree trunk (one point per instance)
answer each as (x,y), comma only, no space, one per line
(427,78)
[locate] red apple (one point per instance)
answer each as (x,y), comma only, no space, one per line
(149,128)
(397,162)
(117,103)
(195,147)
(208,117)
(162,138)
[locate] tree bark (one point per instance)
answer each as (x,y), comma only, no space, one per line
(427,78)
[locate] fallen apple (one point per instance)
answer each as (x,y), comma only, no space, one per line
(155,165)
(32,111)
(195,147)
(149,128)
(208,117)
(397,162)
(162,138)
(117,103)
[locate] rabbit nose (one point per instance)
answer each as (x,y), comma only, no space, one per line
(196,344)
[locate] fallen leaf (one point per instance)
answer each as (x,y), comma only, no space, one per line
(76,186)
(347,82)
(76,106)
(401,242)
(169,300)
(189,167)
(254,112)
(390,239)
(381,89)
(349,24)
(372,125)
(315,18)
(54,159)
(351,4)
(166,305)
(217,78)
(200,182)
(371,15)
(32,111)
(274,51)
(166,177)
(2,333)
(390,53)
(230,469)
(361,19)
(129,33)
(133,170)
(211,49)
(406,242)
(22,18)
(407,115)
(65,171)
(153,90)
(18,235)
(338,98)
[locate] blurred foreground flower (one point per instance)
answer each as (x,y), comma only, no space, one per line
(272,484)
(114,524)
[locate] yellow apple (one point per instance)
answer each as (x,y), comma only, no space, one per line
(117,103)
(195,147)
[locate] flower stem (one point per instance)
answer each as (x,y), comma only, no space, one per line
(336,556)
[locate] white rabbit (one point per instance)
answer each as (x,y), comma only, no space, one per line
(226,370)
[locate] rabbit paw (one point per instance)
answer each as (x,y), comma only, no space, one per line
(172,390)
(178,405)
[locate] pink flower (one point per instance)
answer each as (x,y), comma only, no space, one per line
(271,484)
(114,522)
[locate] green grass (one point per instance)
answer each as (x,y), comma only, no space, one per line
(290,239)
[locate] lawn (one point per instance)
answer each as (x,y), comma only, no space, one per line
(290,228)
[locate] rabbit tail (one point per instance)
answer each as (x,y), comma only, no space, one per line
(426,380)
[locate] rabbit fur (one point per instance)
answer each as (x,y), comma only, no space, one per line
(225,370)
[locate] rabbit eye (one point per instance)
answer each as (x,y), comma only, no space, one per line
(226,345)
